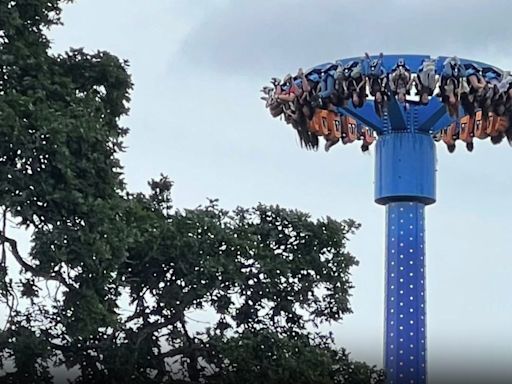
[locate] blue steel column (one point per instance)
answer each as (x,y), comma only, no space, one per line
(405,184)
(405,348)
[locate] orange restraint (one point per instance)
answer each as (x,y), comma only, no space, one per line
(368,136)
(497,125)
(450,134)
(480,131)
(349,126)
(315,125)
(333,127)
(467,126)
(327,124)
(324,123)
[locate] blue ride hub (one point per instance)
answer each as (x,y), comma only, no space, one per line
(405,168)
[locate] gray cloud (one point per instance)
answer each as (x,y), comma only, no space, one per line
(266,37)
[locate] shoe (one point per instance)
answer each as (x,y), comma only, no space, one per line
(329,145)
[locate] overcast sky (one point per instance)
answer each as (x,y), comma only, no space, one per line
(196,116)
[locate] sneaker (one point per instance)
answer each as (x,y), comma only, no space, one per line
(329,145)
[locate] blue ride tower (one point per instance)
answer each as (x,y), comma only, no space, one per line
(405,183)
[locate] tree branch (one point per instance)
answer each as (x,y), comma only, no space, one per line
(13,245)
(183,350)
(4,224)
(153,327)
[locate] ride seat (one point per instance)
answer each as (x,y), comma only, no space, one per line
(368,136)
(497,125)
(490,125)
(349,133)
(324,122)
(480,131)
(335,126)
(467,125)
(450,134)
(315,125)
(501,124)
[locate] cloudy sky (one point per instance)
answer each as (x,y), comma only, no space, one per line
(196,116)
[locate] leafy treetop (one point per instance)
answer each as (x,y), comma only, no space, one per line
(266,273)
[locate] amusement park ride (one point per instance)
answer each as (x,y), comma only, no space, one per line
(455,99)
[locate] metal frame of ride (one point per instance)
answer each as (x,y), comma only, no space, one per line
(473,101)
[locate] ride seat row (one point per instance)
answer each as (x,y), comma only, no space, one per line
(334,127)
(476,126)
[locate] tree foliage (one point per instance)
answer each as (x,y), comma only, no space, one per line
(266,275)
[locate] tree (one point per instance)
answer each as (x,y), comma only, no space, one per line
(268,274)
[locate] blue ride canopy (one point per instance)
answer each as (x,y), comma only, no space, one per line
(431,118)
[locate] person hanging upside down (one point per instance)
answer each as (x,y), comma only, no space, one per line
(311,81)
(355,82)
(492,100)
(326,88)
(472,94)
(272,103)
(426,80)
(400,80)
(451,84)
(377,80)
(288,93)
(504,89)
(341,96)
